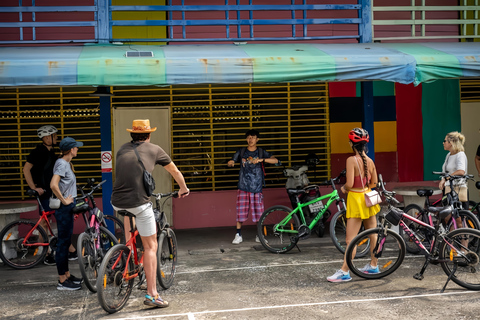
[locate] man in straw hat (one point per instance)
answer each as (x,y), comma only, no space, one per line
(129,194)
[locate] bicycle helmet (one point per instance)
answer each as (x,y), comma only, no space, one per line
(359,135)
(45,131)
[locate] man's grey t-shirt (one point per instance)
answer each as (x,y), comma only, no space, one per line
(128,189)
(68,181)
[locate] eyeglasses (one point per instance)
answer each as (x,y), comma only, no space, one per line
(445,141)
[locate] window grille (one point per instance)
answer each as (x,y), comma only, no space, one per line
(209,125)
(470,90)
(23,110)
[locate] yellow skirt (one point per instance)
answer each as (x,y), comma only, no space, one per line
(356,207)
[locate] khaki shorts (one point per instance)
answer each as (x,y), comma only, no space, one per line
(462,192)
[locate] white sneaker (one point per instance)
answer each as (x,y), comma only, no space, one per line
(238,239)
(340,276)
(257,239)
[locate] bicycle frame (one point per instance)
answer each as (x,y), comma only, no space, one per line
(332,197)
(45,215)
(412,234)
(132,243)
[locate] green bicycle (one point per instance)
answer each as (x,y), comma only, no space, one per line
(280,228)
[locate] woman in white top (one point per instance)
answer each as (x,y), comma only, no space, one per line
(455,164)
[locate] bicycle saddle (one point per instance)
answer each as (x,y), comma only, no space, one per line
(125,213)
(295,191)
(424,192)
(443,212)
(80,208)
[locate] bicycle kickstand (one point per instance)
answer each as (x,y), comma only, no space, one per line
(419,276)
(450,275)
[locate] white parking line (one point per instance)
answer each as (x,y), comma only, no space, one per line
(279,265)
(191,315)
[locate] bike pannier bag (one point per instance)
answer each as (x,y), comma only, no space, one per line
(394,216)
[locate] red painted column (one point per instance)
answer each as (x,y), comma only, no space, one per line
(408,100)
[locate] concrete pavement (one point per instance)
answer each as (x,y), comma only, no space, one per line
(218,280)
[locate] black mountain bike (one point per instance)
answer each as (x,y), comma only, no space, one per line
(427,214)
(458,251)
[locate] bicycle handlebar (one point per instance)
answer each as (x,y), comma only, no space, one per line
(173,194)
(92,190)
(453,177)
(389,195)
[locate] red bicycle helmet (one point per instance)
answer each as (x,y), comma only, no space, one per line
(359,135)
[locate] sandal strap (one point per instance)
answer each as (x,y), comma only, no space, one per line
(157,297)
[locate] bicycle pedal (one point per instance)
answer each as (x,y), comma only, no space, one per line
(418,276)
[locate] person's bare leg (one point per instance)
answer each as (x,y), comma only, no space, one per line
(353,226)
(150,263)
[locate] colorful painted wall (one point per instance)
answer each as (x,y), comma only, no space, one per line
(410,124)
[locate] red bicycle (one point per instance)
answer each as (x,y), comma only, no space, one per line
(25,244)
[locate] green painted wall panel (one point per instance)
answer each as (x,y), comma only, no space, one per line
(441,115)
(107,65)
(303,60)
(383,89)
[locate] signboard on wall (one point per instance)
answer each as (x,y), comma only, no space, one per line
(106,158)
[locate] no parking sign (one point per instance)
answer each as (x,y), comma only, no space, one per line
(106,157)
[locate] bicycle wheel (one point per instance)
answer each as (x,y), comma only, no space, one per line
(89,258)
(338,234)
(166,258)
(15,253)
(461,247)
(113,290)
(389,251)
(274,237)
(115,226)
(422,232)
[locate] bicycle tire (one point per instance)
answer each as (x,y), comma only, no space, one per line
(417,212)
(12,236)
(274,240)
(338,233)
(113,290)
(166,258)
(389,248)
(467,274)
(89,259)
(115,226)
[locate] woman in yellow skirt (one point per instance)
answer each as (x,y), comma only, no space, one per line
(361,176)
